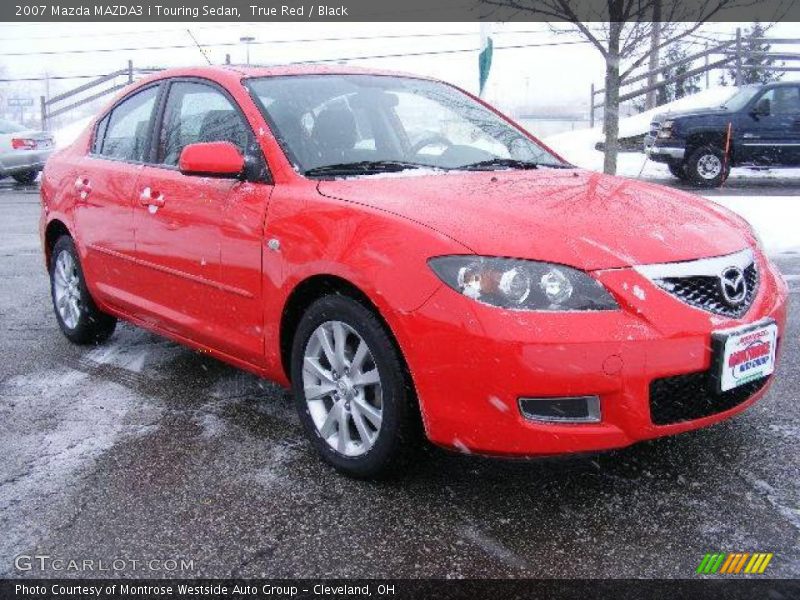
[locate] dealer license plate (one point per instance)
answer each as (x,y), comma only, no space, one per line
(745,354)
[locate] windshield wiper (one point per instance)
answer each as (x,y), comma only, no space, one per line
(510,163)
(505,163)
(364,167)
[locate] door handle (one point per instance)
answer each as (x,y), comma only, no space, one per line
(150,198)
(83,187)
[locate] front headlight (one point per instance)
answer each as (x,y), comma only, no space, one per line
(522,284)
(665,131)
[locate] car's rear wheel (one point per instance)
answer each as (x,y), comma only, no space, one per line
(77,314)
(27,177)
(707,167)
(352,394)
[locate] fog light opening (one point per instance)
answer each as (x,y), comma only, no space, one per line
(566,409)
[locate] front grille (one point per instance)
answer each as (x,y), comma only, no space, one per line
(705,292)
(693,396)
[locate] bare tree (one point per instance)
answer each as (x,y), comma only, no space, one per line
(622,31)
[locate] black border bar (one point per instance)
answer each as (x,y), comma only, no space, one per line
(389,10)
(707,588)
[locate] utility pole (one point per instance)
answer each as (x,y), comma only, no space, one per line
(655,40)
(247,40)
(738,80)
(706,65)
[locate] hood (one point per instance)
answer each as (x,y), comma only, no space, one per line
(580,218)
(695,112)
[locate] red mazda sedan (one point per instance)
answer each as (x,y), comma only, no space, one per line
(408,260)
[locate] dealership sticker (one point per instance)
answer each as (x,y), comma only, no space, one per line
(748,355)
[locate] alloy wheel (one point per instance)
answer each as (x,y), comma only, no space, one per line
(342,388)
(67,292)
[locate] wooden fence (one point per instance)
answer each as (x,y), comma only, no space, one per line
(731,55)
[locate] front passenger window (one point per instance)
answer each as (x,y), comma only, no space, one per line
(196,112)
(783,100)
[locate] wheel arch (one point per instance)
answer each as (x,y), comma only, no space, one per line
(704,138)
(312,288)
(54,230)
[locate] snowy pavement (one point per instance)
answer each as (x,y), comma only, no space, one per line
(143,449)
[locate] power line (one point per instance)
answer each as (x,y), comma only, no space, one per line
(27,38)
(435,52)
(344,58)
(263,43)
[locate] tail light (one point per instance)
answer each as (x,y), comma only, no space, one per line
(23,144)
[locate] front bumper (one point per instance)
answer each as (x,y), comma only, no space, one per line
(471,363)
(663,150)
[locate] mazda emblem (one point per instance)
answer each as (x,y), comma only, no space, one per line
(734,286)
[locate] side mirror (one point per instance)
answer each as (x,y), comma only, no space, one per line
(762,108)
(212,159)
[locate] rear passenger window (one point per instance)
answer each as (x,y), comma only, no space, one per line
(126,133)
(195,113)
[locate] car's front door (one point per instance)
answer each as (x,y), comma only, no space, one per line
(103,188)
(771,129)
(199,239)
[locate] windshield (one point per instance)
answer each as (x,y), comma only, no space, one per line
(9,127)
(339,124)
(740,98)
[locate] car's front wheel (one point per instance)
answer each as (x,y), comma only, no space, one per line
(78,316)
(678,170)
(707,167)
(352,394)
(27,177)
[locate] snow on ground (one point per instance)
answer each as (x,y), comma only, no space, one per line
(578,147)
(55,424)
(774,218)
(637,124)
(640,124)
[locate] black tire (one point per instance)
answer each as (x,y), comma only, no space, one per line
(399,432)
(92,326)
(698,167)
(678,170)
(27,177)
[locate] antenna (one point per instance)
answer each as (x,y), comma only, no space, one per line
(199,47)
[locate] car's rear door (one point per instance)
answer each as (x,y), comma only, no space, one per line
(198,238)
(103,189)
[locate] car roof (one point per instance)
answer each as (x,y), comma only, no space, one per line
(227,72)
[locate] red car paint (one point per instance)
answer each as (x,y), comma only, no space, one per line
(204,269)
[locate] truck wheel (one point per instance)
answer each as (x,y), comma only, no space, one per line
(706,167)
(678,170)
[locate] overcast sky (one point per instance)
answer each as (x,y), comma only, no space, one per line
(542,76)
